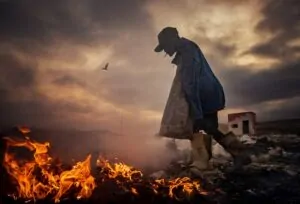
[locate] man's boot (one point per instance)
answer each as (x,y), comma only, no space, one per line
(236,148)
(200,154)
(208,145)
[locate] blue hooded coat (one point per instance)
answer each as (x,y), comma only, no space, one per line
(202,89)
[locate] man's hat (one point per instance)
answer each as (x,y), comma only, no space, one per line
(165,34)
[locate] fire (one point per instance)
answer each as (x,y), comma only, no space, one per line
(119,169)
(124,174)
(42,177)
(188,186)
(24,129)
(37,179)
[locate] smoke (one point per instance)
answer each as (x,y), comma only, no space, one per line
(142,151)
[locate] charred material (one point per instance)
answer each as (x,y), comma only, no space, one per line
(274,177)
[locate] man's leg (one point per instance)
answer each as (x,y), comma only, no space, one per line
(229,141)
(200,152)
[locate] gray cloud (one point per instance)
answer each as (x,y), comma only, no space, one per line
(18,78)
(36,28)
(247,88)
(14,74)
(281,18)
(40,112)
(40,23)
(281,81)
(289,109)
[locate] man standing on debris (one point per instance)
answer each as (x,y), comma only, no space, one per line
(205,97)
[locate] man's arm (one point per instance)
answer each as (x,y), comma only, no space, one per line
(189,84)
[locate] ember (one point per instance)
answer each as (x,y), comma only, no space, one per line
(43,177)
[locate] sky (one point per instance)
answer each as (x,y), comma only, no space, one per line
(52,53)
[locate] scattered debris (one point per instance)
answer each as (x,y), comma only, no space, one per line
(219,152)
(273,177)
(247,139)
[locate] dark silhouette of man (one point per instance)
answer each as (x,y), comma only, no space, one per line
(205,96)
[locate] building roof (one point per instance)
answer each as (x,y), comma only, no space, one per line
(233,116)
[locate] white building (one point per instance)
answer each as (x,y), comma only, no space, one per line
(242,123)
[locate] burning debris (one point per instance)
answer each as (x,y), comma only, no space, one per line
(36,176)
(43,177)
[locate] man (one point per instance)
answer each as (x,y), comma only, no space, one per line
(205,97)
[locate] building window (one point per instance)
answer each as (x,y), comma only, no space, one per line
(234,126)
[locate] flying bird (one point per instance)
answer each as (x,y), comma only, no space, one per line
(105,67)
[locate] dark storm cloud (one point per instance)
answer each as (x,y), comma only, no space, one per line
(18,77)
(32,112)
(15,74)
(35,27)
(289,109)
(36,22)
(38,112)
(281,18)
(248,88)
(40,29)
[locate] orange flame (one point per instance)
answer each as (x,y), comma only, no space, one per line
(124,174)
(32,187)
(42,177)
(24,129)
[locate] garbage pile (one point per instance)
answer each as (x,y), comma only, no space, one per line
(274,176)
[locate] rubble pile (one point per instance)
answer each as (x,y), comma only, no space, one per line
(274,176)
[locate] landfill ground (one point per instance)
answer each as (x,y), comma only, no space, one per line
(273,177)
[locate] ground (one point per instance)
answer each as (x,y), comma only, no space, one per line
(274,177)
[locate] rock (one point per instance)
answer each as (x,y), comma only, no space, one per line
(208,174)
(251,192)
(219,151)
(291,172)
(247,139)
(277,151)
(263,158)
(263,139)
